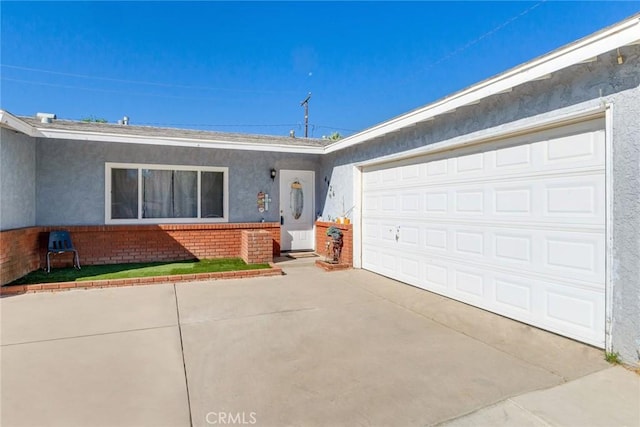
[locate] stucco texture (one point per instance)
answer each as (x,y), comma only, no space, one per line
(71,177)
(17,180)
(576,88)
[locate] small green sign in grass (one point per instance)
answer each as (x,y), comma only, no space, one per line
(128,271)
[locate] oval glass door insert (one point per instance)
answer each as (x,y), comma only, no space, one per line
(296,199)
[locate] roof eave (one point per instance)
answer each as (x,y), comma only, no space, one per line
(10,121)
(174,142)
(624,33)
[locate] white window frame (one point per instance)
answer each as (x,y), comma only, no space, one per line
(109,166)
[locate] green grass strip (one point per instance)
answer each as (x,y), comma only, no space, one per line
(128,271)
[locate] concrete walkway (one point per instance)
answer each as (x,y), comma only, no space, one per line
(306,349)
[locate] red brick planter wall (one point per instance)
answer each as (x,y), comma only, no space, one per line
(19,253)
(24,250)
(256,247)
(346,257)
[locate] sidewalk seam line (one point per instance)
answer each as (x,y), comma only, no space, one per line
(542,420)
(88,335)
(184,362)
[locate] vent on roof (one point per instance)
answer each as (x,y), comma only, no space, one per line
(46,117)
(124,121)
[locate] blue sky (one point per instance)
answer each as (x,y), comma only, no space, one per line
(245,66)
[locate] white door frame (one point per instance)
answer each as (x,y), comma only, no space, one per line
(312,192)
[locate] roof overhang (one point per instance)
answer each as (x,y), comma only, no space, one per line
(175,142)
(9,120)
(624,33)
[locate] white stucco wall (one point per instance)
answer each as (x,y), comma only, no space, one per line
(578,88)
(17,180)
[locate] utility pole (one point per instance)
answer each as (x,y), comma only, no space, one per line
(305,103)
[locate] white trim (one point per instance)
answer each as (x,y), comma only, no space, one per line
(176,142)
(608,177)
(140,166)
(12,122)
(281,195)
(356,228)
(599,43)
(492,134)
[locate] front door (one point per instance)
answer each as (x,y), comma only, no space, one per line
(297,210)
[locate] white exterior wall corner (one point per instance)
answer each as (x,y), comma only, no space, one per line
(17,180)
(625,269)
(572,91)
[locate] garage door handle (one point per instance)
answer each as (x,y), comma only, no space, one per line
(397,233)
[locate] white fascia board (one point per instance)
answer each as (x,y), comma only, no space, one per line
(604,41)
(9,120)
(175,142)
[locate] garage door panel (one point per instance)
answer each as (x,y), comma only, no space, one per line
(578,312)
(370,260)
(569,255)
(435,239)
(516,227)
(563,200)
(560,154)
(410,173)
(469,202)
(577,198)
(517,157)
(437,168)
(513,247)
(575,149)
(469,164)
(436,203)
(513,295)
(410,270)
(469,243)
(410,202)
(388,203)
(435,276)
(389,176)
(409,235)
(513,201)
(578,256)
(470,283)
(370,204)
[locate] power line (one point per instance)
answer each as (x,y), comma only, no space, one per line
(141,82)
(487,34)
(94,89)
(476,40)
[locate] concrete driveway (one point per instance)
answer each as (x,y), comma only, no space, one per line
(309,348)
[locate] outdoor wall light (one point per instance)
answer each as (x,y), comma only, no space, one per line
(273,174)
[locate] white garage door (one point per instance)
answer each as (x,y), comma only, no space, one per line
(516,227)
